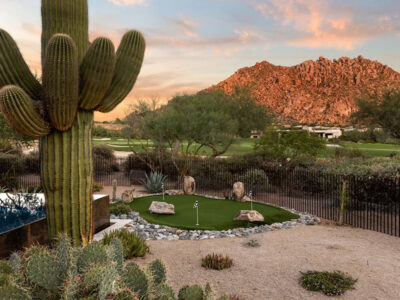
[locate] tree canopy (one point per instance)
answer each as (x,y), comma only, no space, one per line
(380,111)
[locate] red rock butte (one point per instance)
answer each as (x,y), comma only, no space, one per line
(319,92)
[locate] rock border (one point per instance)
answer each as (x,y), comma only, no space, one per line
(155,232)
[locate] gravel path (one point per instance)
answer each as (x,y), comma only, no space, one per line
(272,270)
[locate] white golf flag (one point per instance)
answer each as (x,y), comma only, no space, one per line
(196,204)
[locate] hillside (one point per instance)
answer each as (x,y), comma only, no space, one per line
(315,92)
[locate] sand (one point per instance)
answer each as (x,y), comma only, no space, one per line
(272,270)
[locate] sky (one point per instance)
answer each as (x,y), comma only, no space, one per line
(193,44)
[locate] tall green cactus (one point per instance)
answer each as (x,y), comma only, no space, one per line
(78,78)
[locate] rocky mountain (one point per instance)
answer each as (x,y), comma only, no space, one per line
(315,92)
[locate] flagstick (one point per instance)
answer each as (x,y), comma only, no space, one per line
(251,199)
(197,210)
(163,193)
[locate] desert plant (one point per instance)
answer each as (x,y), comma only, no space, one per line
(137,280)
(194,292)
(133,245)
(252,243)
(97,187)
(330,283)
(120,209)
(216,262)
(254,177)
(78,78)
(154,182)
(158,270)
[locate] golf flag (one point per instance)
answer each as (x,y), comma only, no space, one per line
(196,204)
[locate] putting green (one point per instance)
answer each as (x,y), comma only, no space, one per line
(213,214)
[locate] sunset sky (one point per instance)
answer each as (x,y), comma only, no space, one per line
(194,44)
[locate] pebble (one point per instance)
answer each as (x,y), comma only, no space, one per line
(160,232)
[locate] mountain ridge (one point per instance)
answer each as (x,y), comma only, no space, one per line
(321,92)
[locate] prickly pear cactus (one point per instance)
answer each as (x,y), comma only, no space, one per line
(157,268)
(136,280)
(94,253)
(193,292)
(77,80)
(11,291)
(15,261)
(125,295)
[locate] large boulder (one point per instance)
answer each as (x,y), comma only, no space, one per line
(128,196)
(174,192)
(249,215)
(161,208)
(238,191)
(189,185)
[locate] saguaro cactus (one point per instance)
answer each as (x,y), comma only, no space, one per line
(79,77)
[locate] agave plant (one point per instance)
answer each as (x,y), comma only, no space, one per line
(155,182)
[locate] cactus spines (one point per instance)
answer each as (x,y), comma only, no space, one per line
(94,253)
(43,270)
(130,55)
(13,292)
(92,278)
(14,70)
(70,290)
(21,113)
(118,254)
(108,283)
(15,261)
(61,81)
(193,292)
(163,292)
(72,76)
(96,73)
(136,280)
(5,267)
(63,256)
(158,270)
(125,295)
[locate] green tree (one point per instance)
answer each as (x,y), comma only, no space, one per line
(10,140)
(380,111)
(281,145)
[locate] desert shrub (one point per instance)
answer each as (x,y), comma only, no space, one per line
(97,187)
(330,283)
(254,177)
(31,162)
(100,131)
(252,244)
(341,153)
(120,209)
(104,159)
(216,262)
(34,189)
(154,182)
(133,245)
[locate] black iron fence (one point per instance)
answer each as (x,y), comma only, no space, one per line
(366,202)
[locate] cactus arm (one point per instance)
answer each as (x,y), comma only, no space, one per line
(69,17)
(61,81)
(13,68)
(130,56)
(96,73)
(21,113)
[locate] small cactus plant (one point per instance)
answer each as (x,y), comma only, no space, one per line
(114,190)
(194,292)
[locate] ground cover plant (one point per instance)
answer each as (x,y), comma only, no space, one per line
(133,245)
(330,283)
(120,209)
(213,214)
(216,262)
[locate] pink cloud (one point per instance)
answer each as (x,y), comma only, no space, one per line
(319,24)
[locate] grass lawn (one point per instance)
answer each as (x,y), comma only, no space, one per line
(375,149)
(213,214)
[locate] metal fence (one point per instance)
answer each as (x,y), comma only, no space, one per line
(368,202)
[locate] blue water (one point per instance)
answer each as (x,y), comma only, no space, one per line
(14,218)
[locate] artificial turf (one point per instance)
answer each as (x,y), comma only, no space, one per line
(213,214)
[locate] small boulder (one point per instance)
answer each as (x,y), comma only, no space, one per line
(174,192)
(161,208)
(238,191)
(127,196)
(189,185)
(249,215)
(246,199)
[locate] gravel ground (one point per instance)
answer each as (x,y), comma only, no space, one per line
(272,270)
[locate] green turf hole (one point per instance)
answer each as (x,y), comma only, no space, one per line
(213,214)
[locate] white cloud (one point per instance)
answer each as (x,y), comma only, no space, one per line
(128,2)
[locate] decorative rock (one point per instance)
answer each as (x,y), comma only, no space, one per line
(249,215)
(127,196)
(162,208)
(238,191)
(189,185)
(246,199)
(174,192)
